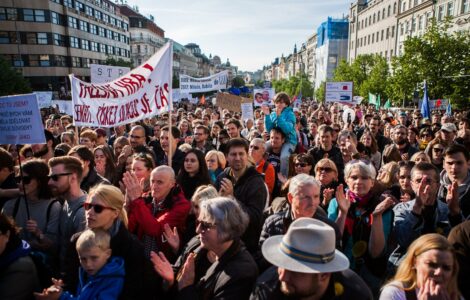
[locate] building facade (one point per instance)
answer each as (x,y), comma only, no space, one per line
(47,40)
(146,37)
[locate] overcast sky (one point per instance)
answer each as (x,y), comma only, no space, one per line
(251,33)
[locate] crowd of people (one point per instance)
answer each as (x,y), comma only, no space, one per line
(296,203)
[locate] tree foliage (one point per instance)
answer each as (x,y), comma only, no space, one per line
(175,82)
(294,85)
(368,72)
(238,81)
(111,61)
(439,57)
(320,92)
(11,82)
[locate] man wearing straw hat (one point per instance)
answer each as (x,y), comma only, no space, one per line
(307,266)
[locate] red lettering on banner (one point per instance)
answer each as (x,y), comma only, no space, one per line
(145,103)
(147,66)
(124,84)
(128,111)
(159,97)
(139,78)
(106,115)
(82,113)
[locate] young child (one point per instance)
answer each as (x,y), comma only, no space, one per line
(282,117)
(101,276)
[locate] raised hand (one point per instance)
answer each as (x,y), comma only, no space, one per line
(452,198)
(343,202)
(327,196)
(226,187)
(383,206)
(188,274)
(172,237)
(133,186)
(163,267)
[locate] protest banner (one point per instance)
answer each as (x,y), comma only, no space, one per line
(231,102)
(20,120)
(214,82)
(340,92)
(263,96)
(142,93)
(104,73)
(44,99)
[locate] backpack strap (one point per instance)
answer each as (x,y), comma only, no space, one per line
(49,208)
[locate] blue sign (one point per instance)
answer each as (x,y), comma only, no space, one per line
(20,120)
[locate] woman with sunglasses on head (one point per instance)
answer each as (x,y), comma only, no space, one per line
(36,211)
(194,173)
(420,156)
(104,209)
(214,264)
(428,271)
(216,162)
(327,174)
(426,135)
(365,220)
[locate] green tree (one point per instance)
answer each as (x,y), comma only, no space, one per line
(294,85)
(238,81)
(259,83)
(320,92)
(176,82)
(111,61)
(11,81)
(439,57)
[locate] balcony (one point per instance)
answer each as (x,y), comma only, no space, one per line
(148,41)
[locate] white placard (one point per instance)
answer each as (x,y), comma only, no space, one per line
(44,99)
(247,111)
(104,73)
(263,96)
(215,82)
(341,92)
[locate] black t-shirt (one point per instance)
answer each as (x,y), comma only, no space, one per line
(275,160)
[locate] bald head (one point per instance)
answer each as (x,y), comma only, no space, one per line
(162,180)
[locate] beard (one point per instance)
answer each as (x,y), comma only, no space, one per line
(401,142)
(41,152)
(59,190)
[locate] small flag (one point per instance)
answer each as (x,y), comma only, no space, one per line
(387,104)
(377,104)
(449,109)
(372,99)
(425,104)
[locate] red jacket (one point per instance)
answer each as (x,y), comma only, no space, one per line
(142,222)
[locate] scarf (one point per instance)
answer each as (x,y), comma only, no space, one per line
(356,202)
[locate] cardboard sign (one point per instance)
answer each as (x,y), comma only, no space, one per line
(20,120)
(142,93)
(231,102)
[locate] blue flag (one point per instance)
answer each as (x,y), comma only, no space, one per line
(425,111)
(449,109)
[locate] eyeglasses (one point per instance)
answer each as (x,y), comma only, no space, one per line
(425,135)
(25,179)
(55,177)
(438,149)
(136,137)
(254,147)
(326,169)
(98,208)
(302,165)
(205,226)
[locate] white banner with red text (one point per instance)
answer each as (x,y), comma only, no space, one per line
(142,93)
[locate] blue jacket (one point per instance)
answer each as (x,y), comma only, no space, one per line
(286,122)
(105,285)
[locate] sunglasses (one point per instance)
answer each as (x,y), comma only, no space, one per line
(55,177)
(205,226)
(96,207)
(25,179)
(437,149)
(326,169)
(136,137)
(302,165)
(254,147)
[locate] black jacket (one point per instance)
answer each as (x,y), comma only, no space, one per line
(268,287)
(92,179)
(334,154)
(251,192)
(139,280)
(230,277)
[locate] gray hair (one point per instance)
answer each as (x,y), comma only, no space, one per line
(346,134)
(165,169)
(227,214)
(259,142)
(400,126)
(366,169)
(204,192)
(301,180)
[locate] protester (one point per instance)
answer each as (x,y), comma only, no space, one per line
(104,163)
(257,152)
(460,241)
(8,185)
(327,174)
(90,176)
(194,173)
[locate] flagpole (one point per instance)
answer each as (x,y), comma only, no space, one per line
(170,109)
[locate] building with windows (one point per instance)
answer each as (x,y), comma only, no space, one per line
(203,62)
(310,67)
(145,36)
(47,40)
(372,28)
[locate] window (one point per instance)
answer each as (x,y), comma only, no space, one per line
(9,14)
(112,21)
(5,37)
(391,53)
(421,22)
(465,6)
(394,8)
(93,29)
(110,49)
(86,62)
(74,42)
(440,13)
(18,60)
(101,31)
(42,38)
(116,36)
(85,44)
(73,22)
(68,3)
(83,26)
(413,25)
(79,6)
(373,19)
(123,38)
(450,9)
(386,53)
(377,37)
(109,34)
(94,46)
(28,15)
(389,10)
(138,49)
(383,14)
(88,11)
(44,60)
(378,16)
(97,14)
(402,28)
(31,38)
(103,48)
(39,15)
(33,60)
(55,18)
(76,62)
(59,40)
(60,61)
(106,18)
(387,33)
(407,27)
(382,35)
